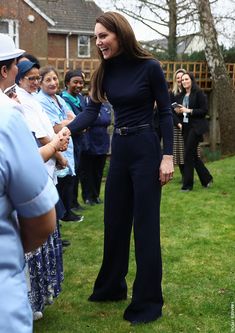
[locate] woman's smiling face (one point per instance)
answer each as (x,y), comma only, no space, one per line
(75,85)
(30,82)
(106,41)
(186,81)
(50,83)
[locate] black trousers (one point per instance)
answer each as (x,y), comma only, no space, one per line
(192,160)
(96,174)
(75,188)
(76,178)
(91,173)
(132,199)
(84,175)
(65,189)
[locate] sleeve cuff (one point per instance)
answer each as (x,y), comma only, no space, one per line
(41,204)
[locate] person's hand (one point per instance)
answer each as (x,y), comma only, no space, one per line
(178,109)
(66,131)
(179,125)
(166,169)
(183,109)
(61,161)
(64,136)
(61,140)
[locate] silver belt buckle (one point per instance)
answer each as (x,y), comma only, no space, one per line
(123,130)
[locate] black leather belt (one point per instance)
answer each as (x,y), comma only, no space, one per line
(131,130)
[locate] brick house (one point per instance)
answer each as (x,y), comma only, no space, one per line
(51,28)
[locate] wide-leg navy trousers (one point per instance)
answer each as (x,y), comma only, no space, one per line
(132,199)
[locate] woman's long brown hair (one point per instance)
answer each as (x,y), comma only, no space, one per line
(119,25)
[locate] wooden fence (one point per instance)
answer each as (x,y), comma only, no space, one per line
(86,65)
(198,68)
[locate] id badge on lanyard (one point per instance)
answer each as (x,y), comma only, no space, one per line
(185,114)
(185,118)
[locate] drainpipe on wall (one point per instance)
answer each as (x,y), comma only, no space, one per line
(67,49)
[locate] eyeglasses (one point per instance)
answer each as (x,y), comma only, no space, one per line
(33,78)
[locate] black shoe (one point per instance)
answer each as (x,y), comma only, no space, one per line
(74,214)
(209,184)
(77,206)
(79,218)
(97,201)
(107,298)
(65,242)
(137,317)
(139,322)
(186,189)
(71,217)
(89,202)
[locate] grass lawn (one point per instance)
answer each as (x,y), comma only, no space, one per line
(198,250)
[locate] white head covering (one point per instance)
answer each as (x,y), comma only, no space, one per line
(8,49)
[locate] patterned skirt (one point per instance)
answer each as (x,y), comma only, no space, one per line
(45,272)
(178,147)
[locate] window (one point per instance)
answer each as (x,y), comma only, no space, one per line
(10,27)
(83,46)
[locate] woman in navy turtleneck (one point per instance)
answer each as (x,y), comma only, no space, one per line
(132,80)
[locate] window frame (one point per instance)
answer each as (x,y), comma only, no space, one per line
(13,29)
(80,45)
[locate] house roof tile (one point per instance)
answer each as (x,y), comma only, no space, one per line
(70,15)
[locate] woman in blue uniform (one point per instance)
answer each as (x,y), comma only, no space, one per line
(132,81)
(27,214)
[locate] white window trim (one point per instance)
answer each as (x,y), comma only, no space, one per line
(88,55)
(13,34)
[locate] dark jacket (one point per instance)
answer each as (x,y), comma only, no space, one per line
(80,140)
(177,118)
(198,103)
(98,137)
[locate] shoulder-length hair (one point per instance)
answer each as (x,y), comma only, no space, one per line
(119,25)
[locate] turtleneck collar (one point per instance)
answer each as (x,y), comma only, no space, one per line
(119,59)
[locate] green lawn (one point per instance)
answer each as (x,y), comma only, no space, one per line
(198,250)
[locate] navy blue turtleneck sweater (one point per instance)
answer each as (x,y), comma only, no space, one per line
(132,86)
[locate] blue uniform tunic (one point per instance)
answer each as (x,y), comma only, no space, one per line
(56,114)
(26,190)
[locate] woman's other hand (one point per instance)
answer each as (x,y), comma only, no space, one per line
(166,169)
